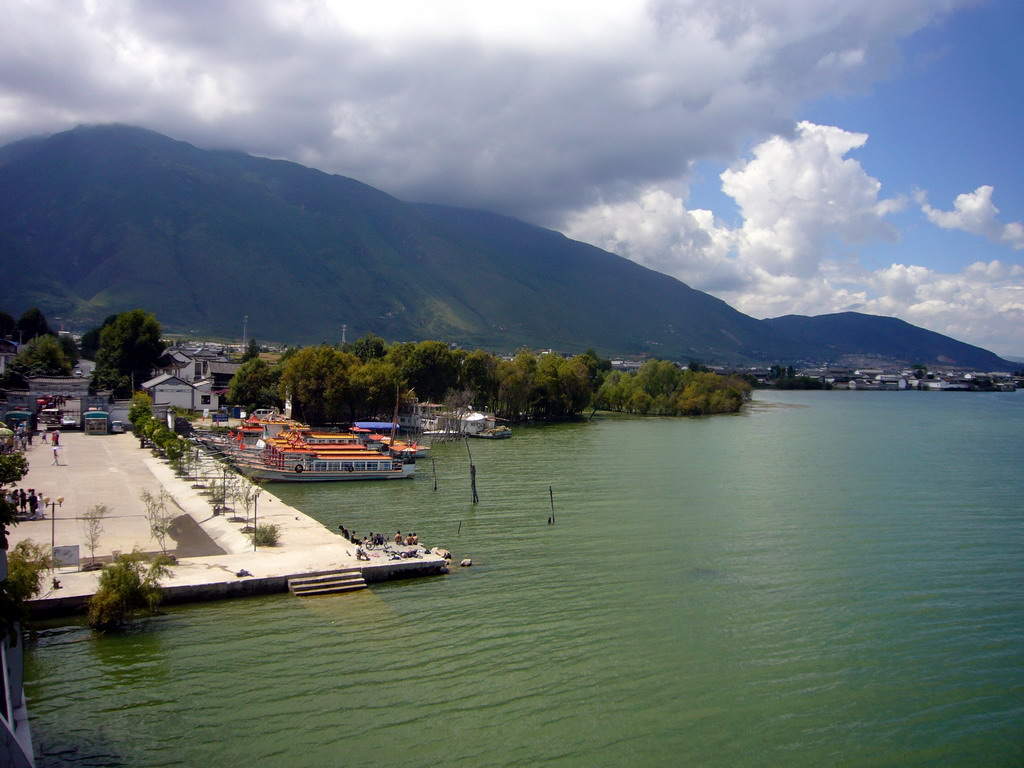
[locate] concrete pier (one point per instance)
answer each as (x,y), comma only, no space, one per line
(211,551)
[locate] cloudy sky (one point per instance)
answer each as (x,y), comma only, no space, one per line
(788,156)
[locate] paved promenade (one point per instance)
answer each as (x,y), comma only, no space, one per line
(113,470)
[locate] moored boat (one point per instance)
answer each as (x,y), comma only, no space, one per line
(300,454)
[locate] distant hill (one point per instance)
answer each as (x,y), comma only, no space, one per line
(106,218)
(870,337)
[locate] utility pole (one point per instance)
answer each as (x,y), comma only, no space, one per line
(245,329)
(343,329)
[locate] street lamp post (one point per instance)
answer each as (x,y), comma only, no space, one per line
(255,512)
(53,504)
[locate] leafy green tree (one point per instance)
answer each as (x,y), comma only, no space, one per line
(71,351)
(374,384)
(369,347)
(479,374)
(27,562)
(91,338)
(129,585)
(252,351)
(431,369)
(8,327)
(316,379)
(129,347)
(44,355)
(516,384)
(140,410)
(13,467)
(255,385)
(32,324)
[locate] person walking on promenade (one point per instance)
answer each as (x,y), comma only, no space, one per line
(56,437)
(56,454)
(33,502)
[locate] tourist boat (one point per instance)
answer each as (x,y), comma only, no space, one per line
(298,454)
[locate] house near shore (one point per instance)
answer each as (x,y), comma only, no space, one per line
(170,390)
(196,365)
(8,351)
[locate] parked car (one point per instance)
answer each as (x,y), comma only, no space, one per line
(116,426)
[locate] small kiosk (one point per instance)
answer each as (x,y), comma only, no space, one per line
(16,418)
(97,423)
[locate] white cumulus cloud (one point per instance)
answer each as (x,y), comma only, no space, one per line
(806,208)
(528,108)
(974,212)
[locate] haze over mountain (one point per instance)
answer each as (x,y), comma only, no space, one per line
(101,219)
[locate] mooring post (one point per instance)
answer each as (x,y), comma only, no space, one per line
(472,472)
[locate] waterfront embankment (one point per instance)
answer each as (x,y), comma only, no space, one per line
(211,550)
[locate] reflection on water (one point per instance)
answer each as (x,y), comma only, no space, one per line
(834,583)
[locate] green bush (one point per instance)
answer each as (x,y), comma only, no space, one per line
(266,535)
(129,585)
(27,562)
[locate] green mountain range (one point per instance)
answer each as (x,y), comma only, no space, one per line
(102,219)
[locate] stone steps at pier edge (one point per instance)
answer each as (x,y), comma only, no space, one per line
(331,583)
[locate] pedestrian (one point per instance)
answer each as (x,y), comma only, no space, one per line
(45,434)
(33,502)
(56,437)
(22,500)
(56,454)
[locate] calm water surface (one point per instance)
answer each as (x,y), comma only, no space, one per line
(828,579)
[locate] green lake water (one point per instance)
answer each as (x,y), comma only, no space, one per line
(831,578)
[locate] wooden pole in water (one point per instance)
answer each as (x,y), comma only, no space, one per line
(472,473)
(460,529)
(433,469)
(551,495)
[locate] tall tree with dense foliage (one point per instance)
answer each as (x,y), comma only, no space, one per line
(317,381)
(255,385)
(32,324)
(478,373)
(252,351)
(8,327)
(430,368)
(129,347)
(369,347)
(43,356)
(516,384)
(91,338)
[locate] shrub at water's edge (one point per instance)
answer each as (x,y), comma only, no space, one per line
(129,585)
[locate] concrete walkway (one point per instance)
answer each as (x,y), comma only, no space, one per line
(112,470)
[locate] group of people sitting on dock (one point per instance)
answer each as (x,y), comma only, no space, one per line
(379,539)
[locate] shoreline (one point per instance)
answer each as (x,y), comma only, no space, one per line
(113,470)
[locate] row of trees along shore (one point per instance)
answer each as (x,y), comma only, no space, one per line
(329,384)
